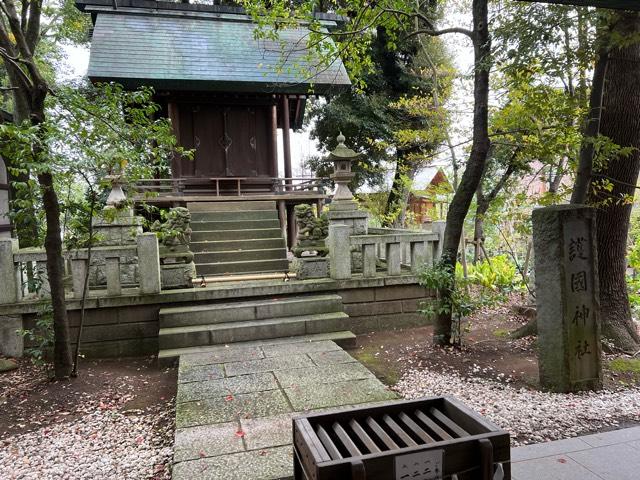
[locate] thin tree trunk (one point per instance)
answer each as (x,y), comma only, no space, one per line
(620,122)
(62,361)
(396,207)
(591,130)
(474,170)
(478,230)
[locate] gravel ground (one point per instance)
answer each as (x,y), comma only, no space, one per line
(529,415)
(103,444)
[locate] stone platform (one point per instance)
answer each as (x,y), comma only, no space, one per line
(611,455)
(235,404)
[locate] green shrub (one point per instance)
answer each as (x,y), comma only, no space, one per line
(498,273)
(41,337)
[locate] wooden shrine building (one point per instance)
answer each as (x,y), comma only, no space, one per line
(225,91)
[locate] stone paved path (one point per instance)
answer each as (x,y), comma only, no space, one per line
(235,404)
(610,456)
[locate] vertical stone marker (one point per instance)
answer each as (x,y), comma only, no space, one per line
(568,310)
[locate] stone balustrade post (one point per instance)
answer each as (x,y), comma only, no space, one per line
(78,274)
(8,279)
(438,227)
(112,270)
(394,258)
(418,256)
(369,259)
(149,263)
(339,251)
(43,275)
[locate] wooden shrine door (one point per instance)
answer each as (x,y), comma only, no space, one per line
(229,141)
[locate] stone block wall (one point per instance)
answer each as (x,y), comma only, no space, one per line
(114,332)
(385,308)
(129,326)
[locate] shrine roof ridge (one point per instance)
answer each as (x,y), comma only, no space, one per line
(151,7)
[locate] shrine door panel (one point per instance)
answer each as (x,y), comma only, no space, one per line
(209,141)
(248,132)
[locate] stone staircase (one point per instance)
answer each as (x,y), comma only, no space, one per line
(237,238)
(305,317)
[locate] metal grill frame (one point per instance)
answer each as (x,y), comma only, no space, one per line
(474,455)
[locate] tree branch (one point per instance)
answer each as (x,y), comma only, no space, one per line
(13,62)
(503,178)
(32,33)
(437,33)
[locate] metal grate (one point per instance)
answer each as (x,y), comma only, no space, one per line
(439,435)
(354,438)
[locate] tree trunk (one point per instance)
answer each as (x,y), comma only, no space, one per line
(482,206)
(620,122)
(62,360)
(591,130)
(474,170)
(396,207)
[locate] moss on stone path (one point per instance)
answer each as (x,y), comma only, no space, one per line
(387,372)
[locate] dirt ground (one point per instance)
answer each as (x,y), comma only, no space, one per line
(29,400)
(488,352)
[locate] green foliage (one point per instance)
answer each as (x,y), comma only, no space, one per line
(457,301)
(627,365)
(633,289)
(634,241)
(41,336)
(498,274)
(485,285)
(90,132)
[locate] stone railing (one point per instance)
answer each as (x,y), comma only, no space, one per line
(13,262)
(412,249)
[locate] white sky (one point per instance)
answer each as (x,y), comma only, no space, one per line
(77,60)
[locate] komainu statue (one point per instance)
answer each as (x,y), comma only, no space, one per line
(176,229)
(312,232)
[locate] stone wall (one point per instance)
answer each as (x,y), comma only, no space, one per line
(114,332)
(128,326)
(385,308)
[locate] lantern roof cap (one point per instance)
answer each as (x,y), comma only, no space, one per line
(342,152)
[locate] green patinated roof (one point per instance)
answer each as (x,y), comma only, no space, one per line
(217,54)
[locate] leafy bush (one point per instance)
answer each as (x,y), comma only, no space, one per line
(497,274)
(41,337)
(633,288)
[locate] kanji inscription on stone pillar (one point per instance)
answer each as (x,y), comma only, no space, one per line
(567,298)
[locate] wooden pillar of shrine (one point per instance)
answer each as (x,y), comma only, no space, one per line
(286,137)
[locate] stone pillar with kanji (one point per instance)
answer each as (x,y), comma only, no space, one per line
(567,301)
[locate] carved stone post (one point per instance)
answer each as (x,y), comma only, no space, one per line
(149,263)
(339,252)
(567,298)
(9,289)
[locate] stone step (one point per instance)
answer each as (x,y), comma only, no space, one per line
(252,310)
(230,206)
(248,266)
(234,215)
(237,245)
(230,332)
(240,255)
(216,235)
(345,339)
(235,225)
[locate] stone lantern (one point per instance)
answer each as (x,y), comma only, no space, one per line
(116,197)
(343,208)
(342,157)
